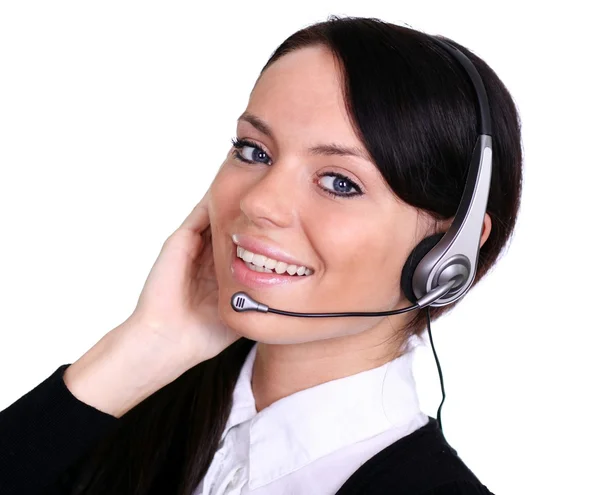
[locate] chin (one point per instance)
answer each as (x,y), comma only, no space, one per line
(267,328)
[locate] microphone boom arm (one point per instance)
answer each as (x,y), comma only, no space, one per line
(240,302)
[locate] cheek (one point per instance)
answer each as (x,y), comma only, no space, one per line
(226,190)
(365,251)
(335,233)
(222,211)
(351,240)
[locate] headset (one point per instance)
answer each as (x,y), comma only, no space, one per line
(441,268)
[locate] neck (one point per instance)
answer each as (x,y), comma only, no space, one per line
(281,370)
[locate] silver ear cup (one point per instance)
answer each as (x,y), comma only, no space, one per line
(455,269)
(412,261)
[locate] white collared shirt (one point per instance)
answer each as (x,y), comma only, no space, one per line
(312,441)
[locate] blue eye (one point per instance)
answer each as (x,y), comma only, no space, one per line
(256,154)
(341,184)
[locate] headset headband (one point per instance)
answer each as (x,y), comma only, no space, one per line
(454,257)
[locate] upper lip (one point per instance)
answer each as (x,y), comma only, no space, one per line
(258,246)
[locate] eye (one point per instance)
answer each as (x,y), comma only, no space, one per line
(339,185)
(254,156)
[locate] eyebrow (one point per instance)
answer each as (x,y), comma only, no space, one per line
(322,149)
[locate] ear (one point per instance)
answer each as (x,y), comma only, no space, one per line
(485,231)
(487,228)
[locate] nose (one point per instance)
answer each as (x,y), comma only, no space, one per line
(272,200)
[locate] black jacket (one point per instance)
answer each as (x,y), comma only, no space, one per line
(48,430)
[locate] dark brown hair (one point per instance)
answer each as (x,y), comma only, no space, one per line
(416,113)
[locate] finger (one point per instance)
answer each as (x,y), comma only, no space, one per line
(198,219)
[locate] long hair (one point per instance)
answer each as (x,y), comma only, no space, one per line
(416,113)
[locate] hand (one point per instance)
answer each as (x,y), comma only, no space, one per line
(174,326)
(179,301)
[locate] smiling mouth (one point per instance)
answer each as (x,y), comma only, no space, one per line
(263,264)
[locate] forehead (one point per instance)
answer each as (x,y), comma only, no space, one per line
(302,91)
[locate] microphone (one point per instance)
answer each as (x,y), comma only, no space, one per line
(241,302)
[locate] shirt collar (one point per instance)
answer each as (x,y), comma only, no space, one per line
(314,422)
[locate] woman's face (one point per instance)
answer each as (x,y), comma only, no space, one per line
(356,242)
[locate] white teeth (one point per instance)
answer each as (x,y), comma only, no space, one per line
(257,268)
(259,260)
(247,256)
(261,263)
(280,267)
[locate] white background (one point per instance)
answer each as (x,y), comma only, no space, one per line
(115,116)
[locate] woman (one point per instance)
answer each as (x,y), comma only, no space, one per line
(188,396)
